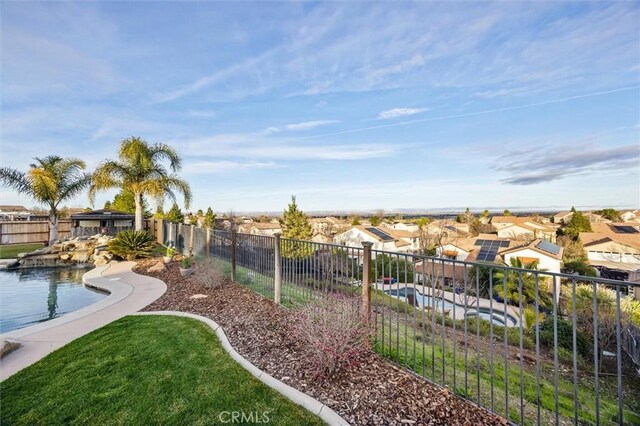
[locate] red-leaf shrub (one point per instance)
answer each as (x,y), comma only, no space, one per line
(334,333)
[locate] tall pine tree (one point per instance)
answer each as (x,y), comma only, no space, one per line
(175,215)
(578,223)
(209,219)
(295,226)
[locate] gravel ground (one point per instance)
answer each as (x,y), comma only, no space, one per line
(375,392)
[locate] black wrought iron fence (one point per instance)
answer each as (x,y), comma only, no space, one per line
(533,346)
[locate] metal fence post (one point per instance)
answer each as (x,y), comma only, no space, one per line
(233,256)
(366,280)
(278,270)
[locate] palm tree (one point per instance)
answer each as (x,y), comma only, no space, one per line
(517,282)
(50,181)
(139,169)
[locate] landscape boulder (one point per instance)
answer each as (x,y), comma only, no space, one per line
(75,251)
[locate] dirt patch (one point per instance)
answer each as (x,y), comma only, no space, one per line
(375,392)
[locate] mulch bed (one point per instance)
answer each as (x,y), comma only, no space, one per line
(375,392)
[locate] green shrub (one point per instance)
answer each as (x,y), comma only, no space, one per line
(565,336)
(529,315)
(187,262)
(631,309)
(131,244)
(170,251)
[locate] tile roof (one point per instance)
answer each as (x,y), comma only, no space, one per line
(9,208)
(533,245)
(602,233)
(265,225)
(511,219)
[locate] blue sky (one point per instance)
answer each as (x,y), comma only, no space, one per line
(348,105)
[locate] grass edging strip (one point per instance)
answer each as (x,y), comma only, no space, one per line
(294,395)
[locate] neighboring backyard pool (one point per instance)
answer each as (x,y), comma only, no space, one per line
(496,316)
(31,296)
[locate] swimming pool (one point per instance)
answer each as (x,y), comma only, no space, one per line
(30,296)
(496,316)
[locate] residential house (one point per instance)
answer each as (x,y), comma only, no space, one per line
(499,222)
(596,218)
(528,231)
(103,221)
(325,228)
(412,237)
(614,249)
(487,248)
(447,228)
(547,255)
(562,218)
(12,213)
(402,226)
(382,239)
(630,216)
(257,228)
(457,248)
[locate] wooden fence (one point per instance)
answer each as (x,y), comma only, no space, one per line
(21,232)
(25,232)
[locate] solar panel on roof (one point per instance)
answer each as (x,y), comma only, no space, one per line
(492,243)
(377,232)
(487,255)
(548,247)
(625,229)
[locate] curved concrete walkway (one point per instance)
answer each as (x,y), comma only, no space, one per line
(316,407)
(129,292)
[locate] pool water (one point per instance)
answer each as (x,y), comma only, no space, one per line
(423,300)
(30,296)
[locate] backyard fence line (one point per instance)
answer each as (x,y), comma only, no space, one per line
(21,232)
(533,346)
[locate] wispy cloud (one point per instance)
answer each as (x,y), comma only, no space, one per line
(307,125)
(399,112)
(545,164)
(428,45)
(296,127)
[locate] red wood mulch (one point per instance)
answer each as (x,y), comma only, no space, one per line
(375,392)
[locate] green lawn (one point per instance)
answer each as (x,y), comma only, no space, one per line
(142,370)
(11,251)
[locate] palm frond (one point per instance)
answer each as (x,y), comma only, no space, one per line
(173,182)
(74,188)
(109,174)
(43,183)
(15,179)
(161,151)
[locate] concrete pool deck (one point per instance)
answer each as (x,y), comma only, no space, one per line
(128,293)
